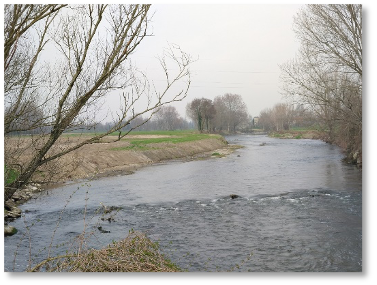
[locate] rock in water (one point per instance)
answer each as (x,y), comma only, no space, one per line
(9,230)
(234,196)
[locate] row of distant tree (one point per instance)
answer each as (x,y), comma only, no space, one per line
(165,118)
(283,116)
(226,113)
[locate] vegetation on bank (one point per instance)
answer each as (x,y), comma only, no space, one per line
(136,253)
(297,133)
(173,137)
(143,140)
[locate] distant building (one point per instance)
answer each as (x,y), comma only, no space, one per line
(255,121)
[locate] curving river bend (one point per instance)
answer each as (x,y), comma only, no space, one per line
(299,209)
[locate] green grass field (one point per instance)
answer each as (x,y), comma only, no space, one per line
(175,137)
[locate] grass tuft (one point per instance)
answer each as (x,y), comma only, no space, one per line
(136,253)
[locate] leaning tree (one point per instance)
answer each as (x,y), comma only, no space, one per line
(62,63)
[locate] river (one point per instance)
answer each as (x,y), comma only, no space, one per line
(299,209)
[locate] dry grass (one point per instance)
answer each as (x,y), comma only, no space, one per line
(136,253)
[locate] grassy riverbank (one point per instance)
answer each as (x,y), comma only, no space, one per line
(160,139)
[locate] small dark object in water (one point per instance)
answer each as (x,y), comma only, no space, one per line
(238,156)
(109,219)
(234,196)
(102,230)
(262,144)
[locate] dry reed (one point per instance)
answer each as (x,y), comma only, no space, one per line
(136,253)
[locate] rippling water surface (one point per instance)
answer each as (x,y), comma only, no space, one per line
(299,209)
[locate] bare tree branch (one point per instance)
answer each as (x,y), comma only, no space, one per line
(92,45)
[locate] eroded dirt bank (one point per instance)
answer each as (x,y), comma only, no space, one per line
(100,159)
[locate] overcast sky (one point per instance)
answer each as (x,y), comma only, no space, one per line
(238,47)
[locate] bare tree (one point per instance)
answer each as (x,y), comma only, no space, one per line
(327,74)
(279,117)
(282,115)
(202,111)
(334,32)
(20,60)
(265,120)
(167,118)
(303,117)
(208,113)
(91,45)
(194,112)
(231,112)
(29,120)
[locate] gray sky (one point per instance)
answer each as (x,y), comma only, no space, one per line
(239,48)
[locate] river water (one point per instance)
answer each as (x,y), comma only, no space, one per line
(299,209)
